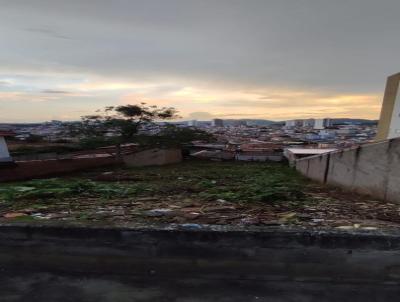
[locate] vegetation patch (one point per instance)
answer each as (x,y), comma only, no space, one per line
(201,192)
(63,188)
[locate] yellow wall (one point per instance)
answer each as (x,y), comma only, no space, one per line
(388,106)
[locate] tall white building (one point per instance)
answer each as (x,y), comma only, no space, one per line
(308,123)
(293,123)
(322,123)
(192,123)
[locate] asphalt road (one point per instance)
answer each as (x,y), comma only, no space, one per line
(52,287)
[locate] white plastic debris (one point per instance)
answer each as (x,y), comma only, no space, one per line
(158,212)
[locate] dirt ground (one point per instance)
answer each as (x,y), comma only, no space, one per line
(195,192)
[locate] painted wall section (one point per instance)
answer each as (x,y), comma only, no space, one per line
(389,122)
(45,168)
(372,169)
(394,129)
(4,154)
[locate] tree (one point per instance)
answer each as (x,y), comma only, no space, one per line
(172,136)
(33,138)
(179,136)
(120,124)
(125,121)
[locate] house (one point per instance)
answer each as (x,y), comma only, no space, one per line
(4,154)
(292,154)
(258,155)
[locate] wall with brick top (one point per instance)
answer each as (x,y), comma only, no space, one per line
(44,168)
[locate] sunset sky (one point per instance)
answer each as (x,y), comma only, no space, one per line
(269,59)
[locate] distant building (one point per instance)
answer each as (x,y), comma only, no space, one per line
(216,154)
(327,134)
(217,122)
(322,123)
(259,156)
(239,123)
(290,124)
(192,123)
(4,154)
(293,123)
(292,154)
(312,137)
(309,123)
(346,131)
(389,123)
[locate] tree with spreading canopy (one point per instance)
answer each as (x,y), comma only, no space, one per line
(124,121)
(121,124)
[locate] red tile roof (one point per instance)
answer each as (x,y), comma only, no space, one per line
(6,133)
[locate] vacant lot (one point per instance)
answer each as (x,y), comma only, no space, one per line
(196,192)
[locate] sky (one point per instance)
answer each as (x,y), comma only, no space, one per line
(259,59)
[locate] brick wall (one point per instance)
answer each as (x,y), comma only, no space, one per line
(44,168)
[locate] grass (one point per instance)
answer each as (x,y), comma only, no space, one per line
(200,192)
(233,182)
(61,188)
(209,192)
(229,181)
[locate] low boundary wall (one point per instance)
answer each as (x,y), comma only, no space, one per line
(226,252)
(372,169)
(153,157)
(276,264)
(43,168)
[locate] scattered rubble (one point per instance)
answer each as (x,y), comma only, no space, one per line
(193,198)
(14,215)
(159,212)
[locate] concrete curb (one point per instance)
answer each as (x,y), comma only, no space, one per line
(183,251)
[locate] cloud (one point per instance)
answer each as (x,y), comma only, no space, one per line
(24,97)
(48,32)
(311,101)
(274,59)
(4,83)
(332,45)
(209,116)
(276,103)
(54,91)
(200,116)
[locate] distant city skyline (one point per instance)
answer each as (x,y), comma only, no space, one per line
(229,59)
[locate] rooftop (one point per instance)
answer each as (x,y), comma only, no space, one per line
(6,133)
(309,150)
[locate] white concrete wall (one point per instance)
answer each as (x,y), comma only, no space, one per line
(4,154)
(372,169)
(394,130)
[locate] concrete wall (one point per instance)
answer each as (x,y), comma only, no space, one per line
(389,122)
(153,157)
(103,151)
(233,264)
(24,170)
(43,168)
(372,169)
(4,155)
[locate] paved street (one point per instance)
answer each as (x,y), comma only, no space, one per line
(47,287)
